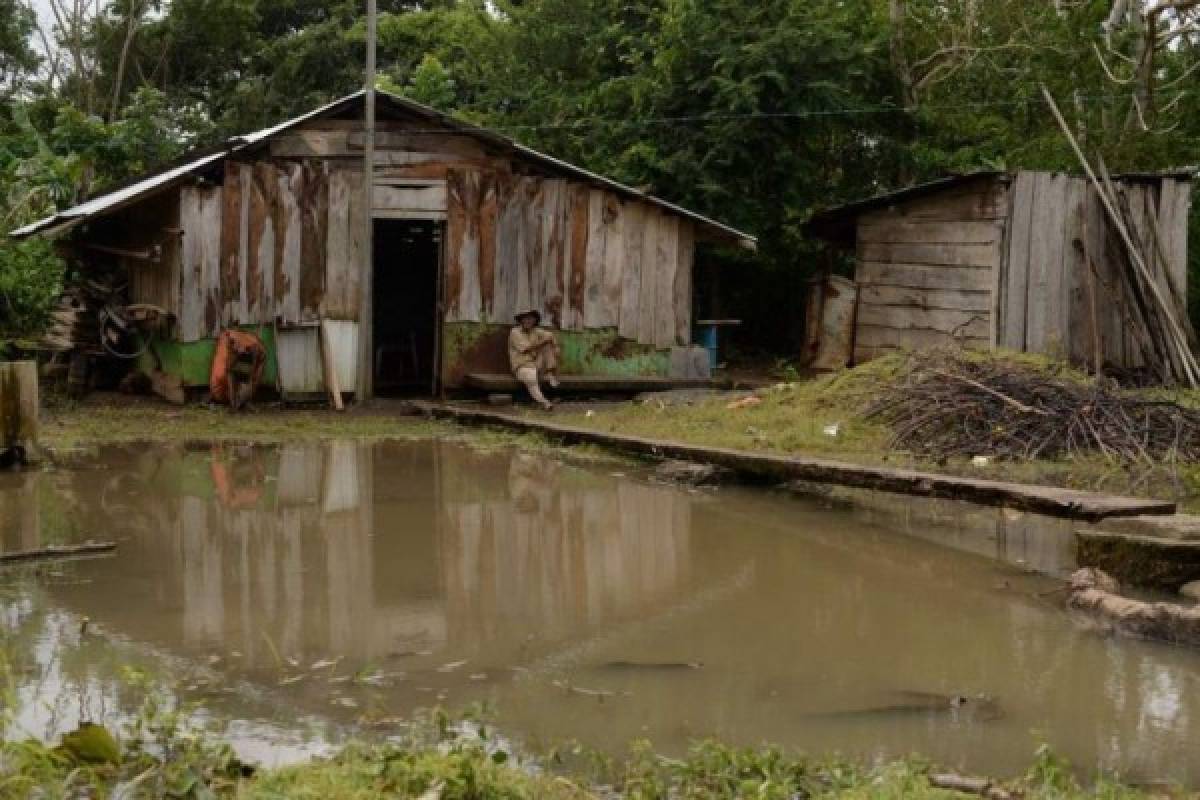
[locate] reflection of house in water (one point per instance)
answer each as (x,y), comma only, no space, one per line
(20,521)
(544,557)
(365,550)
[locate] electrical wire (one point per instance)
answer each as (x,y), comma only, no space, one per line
(590,122)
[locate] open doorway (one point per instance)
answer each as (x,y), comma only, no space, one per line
(408,261)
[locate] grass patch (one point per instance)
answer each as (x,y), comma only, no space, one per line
(101,424)
(798,418)
(471,768)
(74,426)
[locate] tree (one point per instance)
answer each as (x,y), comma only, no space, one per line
(17,58)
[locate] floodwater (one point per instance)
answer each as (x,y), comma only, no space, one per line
(308,592)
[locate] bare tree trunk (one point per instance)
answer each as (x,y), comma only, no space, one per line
(131,26)
(897,11)
(1141,109)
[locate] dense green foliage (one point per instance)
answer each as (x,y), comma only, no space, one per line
(756,112)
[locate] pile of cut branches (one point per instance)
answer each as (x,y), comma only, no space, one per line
(947,404)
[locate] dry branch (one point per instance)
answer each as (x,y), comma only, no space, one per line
(55,552)
(946,404)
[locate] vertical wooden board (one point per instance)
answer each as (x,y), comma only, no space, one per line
(456,233)
(614,258)
(191,284)
(314,235)
(667,256)
(231,237)
(573,315)
(1015,281)
(201,212)
(554,250)
(1163,212)
(470,297)
(1077,324)
(1109,292)
(1043,322)
(1177,194)
(1135,196)
(288,244)
(343,346)
(653,219)
(212,268)
(464,297)
(594,315)
(683,283)
(344,250)
(236,313)
(488,221)
(260,243)
(631,278)
(529,273)
(508,248)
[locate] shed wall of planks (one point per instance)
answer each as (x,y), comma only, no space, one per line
(926,270)
(1026,263)
(1060,285)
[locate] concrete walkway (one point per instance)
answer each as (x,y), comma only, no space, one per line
(1067,503)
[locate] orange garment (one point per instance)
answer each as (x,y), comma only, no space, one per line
(237,364)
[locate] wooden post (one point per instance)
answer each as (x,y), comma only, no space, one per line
(330,366)
(18,409)
(366,338)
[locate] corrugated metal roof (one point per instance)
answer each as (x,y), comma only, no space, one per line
(163,179)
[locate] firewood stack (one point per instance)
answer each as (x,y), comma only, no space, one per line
(73,323)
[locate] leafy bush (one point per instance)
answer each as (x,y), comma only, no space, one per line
(31,278)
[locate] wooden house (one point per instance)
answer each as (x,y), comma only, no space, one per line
(1026,261)
(266,232)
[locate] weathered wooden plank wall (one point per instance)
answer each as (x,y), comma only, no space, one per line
(281,240)
(926,270)
(200,212)
(276,243)
(1060,264)
(583,257)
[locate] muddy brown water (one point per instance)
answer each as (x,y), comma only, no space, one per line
(305,593)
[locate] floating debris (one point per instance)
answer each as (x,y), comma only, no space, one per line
(452,666)
(654,665)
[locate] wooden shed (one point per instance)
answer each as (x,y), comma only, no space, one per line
(266,233)
(1026,261)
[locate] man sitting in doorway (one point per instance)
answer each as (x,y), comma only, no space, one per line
(533,355)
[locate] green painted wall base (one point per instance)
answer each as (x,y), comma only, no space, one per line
(192,361)
(481,347)
(466,347)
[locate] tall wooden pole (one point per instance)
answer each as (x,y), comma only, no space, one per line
(366,333)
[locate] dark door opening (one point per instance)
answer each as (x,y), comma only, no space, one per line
(408,261)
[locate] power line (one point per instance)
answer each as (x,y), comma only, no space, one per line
(770,115)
